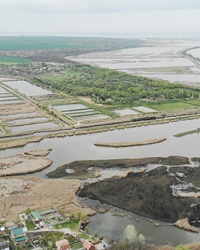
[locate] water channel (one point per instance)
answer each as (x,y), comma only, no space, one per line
(82,147)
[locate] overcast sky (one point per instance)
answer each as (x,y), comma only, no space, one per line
(99,16)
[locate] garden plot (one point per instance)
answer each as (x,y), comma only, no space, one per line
(52,217)
(79,112)
(145,109)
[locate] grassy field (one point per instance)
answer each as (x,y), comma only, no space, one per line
(176,105)
(72,225)
(13,60)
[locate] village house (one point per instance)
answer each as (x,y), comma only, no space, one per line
(63,245)
(37,219)
(18,235)
(88,245)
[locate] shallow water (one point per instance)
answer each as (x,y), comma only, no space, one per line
(27,88)
(39,126)
(19,115)
(70,107)
(123,112)
(27,120)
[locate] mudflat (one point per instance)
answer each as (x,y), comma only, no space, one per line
(23,164)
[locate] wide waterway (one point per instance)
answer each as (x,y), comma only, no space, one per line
(75,148)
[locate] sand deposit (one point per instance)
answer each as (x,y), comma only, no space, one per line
(41,152)
(184,224)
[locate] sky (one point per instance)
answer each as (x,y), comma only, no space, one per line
(99,16)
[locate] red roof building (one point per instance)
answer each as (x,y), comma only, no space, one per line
(63,245)
(88,246)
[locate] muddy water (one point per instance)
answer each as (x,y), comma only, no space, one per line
(74,148)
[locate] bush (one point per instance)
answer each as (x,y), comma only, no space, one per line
(182,247)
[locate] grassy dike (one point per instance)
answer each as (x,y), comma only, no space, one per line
(188,133)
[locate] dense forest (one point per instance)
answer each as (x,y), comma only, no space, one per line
(112,87)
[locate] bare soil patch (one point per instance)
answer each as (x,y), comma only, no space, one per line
(184,224)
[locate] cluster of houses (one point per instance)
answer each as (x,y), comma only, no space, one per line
(18,235)
(64,245)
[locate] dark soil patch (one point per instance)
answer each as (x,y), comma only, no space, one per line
(81,167)
(148,194)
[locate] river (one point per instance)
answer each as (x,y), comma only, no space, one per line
(68,149)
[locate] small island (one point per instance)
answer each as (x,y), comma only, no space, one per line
(129,144)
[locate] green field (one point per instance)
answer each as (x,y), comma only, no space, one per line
(13,60)
(55,42)
(175,105)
